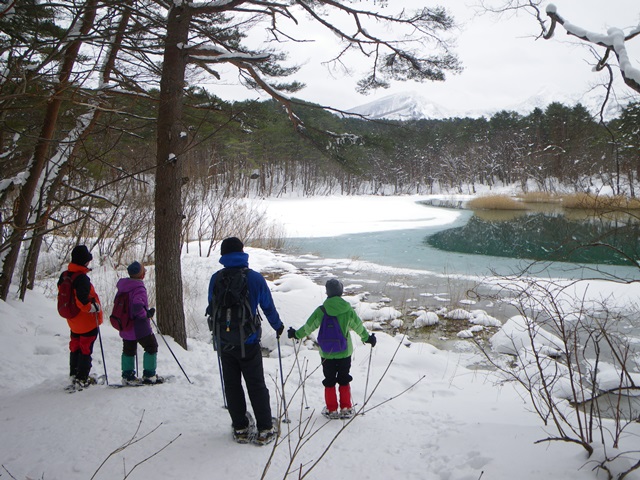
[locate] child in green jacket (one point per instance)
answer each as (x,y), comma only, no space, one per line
(336,365)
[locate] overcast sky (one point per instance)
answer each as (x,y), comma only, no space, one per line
(503,63)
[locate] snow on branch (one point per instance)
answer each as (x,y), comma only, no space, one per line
(614,40)
(214,54)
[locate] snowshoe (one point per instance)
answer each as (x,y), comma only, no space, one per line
(78,384)
(247,434)
(142,382)
(331,415)
(264,437)
(131,382)
(153,380)
(347,413)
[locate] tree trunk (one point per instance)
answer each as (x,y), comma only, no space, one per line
(168,202)
(41,153)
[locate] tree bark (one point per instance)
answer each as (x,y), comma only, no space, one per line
(41,152)
(168,201)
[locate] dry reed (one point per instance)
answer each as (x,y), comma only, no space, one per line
(587,201)
(540,197)
(495,202)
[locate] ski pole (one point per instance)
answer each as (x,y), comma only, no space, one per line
(174,355)
(284,400)
(366,385)
(104,364)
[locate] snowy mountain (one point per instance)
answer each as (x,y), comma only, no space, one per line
(413,106)
(402,106)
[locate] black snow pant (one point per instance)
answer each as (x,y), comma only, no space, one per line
(336,370)
(234,368)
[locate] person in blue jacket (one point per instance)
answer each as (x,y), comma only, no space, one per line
(245,361)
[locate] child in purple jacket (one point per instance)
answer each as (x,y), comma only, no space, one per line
(140,332)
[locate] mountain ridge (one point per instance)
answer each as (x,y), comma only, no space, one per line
(406,106)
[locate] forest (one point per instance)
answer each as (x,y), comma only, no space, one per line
(102,112)
(250,148)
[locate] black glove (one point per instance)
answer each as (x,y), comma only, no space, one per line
(291,333)
(372,340)
(151,312)
(280,330)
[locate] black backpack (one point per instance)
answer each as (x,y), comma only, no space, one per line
(232,321)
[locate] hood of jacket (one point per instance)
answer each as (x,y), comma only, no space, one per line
(235,260)
(74,267)
(336,306)
(129,284)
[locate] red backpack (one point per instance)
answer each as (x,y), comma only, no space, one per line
(120,315)
(67,306)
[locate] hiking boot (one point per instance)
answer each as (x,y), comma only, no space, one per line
(330,414)
(131,381)
(152,380)
(266,436)
(347,413)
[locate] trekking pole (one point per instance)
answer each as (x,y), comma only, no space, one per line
(366,385)
(284,400)
(304,393)
(215,342)
(104,364)
(174,355)
(216,347)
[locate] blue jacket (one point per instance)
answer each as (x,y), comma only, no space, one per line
(259,293)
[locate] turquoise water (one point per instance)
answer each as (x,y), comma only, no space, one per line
(418,249)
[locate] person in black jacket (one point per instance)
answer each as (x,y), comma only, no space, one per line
(244,360)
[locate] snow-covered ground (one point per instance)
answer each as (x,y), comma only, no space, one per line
(429,415)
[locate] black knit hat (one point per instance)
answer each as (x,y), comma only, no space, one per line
(80,255)
(134,269)
(334,288)
(230,245)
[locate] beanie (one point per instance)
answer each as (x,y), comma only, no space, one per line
(134,269)
(80,255)
(334,288)
(230,245)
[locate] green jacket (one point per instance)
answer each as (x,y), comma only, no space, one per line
(348,319)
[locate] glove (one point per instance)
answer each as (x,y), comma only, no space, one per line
(207,312)
(95,308)
(372,340)
(151,312)
(291,333)
(280,330)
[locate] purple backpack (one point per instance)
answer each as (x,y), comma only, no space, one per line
(330,337)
